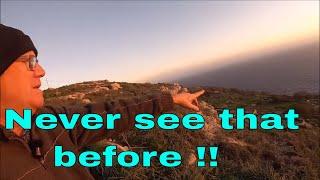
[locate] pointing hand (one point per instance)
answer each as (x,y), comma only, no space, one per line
(188,100)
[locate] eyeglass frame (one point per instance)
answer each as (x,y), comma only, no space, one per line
(28,60)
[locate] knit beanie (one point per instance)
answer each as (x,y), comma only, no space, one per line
(13,44)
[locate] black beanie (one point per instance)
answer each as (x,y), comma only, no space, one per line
(13,44)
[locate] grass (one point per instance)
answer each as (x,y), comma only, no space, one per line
(245,154)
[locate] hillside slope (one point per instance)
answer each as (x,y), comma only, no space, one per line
(242,154)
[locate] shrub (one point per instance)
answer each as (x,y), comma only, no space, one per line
(304,109)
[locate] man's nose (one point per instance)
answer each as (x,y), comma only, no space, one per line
(39,71)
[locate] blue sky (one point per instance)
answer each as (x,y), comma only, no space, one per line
(134,41)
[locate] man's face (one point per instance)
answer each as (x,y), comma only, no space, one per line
(20,86)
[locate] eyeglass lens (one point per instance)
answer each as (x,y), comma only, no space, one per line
(32,63)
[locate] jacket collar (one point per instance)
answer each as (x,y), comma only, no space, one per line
(7,134)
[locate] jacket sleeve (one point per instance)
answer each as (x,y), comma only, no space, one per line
(81,137)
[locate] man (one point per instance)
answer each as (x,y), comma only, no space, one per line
(29,154)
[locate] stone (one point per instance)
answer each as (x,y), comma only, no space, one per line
(184,90)
(115,86)
(86,101)
(78,95)
(164,88)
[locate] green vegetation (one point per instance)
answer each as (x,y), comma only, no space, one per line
(245,154)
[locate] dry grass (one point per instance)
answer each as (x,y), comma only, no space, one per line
(242,154)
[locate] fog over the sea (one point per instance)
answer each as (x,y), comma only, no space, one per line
(283,71)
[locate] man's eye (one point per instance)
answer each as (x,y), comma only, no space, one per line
(30,65)
(32,62)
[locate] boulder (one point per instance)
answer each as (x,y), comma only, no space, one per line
(176,88)
(184,90)
(164,88)
(78,95)
(86,101)
(115,86)
(73,96)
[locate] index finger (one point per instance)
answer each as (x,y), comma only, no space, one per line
(198,93)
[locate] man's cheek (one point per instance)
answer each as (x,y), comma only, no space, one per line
(37,99)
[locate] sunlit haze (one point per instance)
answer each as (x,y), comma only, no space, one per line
(136,41)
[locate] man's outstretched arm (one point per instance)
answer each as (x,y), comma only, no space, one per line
(153,104)
(129,108)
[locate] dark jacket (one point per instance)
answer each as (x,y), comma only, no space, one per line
(19,158)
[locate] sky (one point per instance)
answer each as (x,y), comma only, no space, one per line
(133,41)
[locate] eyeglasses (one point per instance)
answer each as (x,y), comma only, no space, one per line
(31,62)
